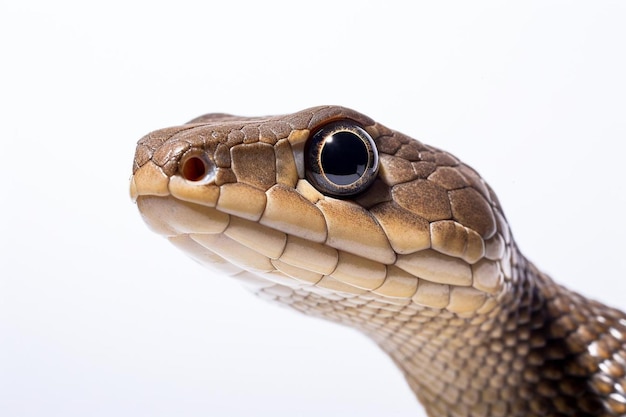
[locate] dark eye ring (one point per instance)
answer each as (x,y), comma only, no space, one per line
(341,159)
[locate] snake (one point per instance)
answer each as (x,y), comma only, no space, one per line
(334,215)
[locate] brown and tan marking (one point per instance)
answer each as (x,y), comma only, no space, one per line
(423,262)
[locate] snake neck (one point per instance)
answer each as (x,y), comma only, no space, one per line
(543,351)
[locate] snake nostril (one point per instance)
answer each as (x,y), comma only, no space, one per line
(194,169)
(197,168)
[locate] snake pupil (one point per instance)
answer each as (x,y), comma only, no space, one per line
(344,158)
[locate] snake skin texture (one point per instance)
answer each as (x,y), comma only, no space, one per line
(422,261)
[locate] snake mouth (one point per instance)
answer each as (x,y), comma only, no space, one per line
(271,245)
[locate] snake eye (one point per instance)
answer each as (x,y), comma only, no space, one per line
(341,159)
(197,168)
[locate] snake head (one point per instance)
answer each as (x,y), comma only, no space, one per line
(326,209)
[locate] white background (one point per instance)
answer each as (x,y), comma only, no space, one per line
(100,317)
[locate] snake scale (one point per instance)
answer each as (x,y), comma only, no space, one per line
(337,216)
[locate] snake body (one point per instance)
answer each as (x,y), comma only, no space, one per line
(407,244)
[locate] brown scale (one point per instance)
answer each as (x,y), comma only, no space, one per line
(423,262)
